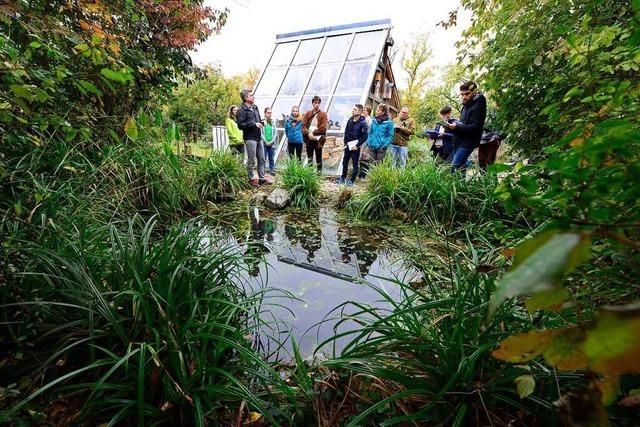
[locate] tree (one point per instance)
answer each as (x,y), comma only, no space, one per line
(444,92)
(199,104)
(250,78)
(70,65)
(567,80)
(415,58)
(544,63)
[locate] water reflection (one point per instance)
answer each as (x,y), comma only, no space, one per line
(324,262)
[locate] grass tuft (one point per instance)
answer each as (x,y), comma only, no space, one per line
(302,183)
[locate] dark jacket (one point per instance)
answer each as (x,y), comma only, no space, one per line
(468,130)
(356,130)
(247,119)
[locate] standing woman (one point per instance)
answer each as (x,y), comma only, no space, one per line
(381,134)
(293,130)
(268,136)
(236,141)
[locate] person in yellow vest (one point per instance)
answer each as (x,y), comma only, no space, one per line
(404,127)
(236,141)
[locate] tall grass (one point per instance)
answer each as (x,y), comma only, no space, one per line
(302,183)
(427,192)
(424,357)
(142,328)
(220,173)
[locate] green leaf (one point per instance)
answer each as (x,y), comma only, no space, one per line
(115,75)
(23,91)
(131,128)
(540,266)
(525,384)
(550,299)
(90,87)
(40,95)
(612,345)
(35,44)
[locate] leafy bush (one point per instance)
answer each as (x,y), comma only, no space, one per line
(221,172)
(302,182)
(141,328)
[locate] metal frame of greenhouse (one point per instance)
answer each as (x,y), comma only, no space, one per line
(344,65)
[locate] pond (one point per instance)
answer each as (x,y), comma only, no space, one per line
(317,261)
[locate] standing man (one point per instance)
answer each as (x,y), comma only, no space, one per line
(404,127)
(355,135)
(314,131)
(251,125)
(468,130)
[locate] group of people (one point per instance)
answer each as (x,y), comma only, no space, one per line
(366,139)
(455,139)
(249,133)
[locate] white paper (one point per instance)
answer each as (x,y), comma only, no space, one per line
(352,144)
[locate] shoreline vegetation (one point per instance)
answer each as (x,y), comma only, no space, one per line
(115,311)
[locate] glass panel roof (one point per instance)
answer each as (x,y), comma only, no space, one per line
(295,81)
(335,49)
(340,111)
(283,54)
(336,67)
(353,78)
(308,52)
(262,102)
(365,46)
(283,105)
(323,79)
(270,82)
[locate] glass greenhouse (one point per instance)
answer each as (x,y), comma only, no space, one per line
(344,65)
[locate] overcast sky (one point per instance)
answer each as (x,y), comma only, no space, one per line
(248,37)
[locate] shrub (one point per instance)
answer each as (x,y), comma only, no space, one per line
(423,355)
(302,182)
(427,192)
(222,172)
(141,328)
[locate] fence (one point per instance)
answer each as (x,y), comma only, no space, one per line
(220,139)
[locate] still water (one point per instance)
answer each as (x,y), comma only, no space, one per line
(318,264)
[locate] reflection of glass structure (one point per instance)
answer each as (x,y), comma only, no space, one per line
(344,65)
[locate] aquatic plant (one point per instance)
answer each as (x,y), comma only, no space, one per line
(220,173)
(140,328)
(302,182)
(426,192)
(423,356)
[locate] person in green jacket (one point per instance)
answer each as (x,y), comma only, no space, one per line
(236,141)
